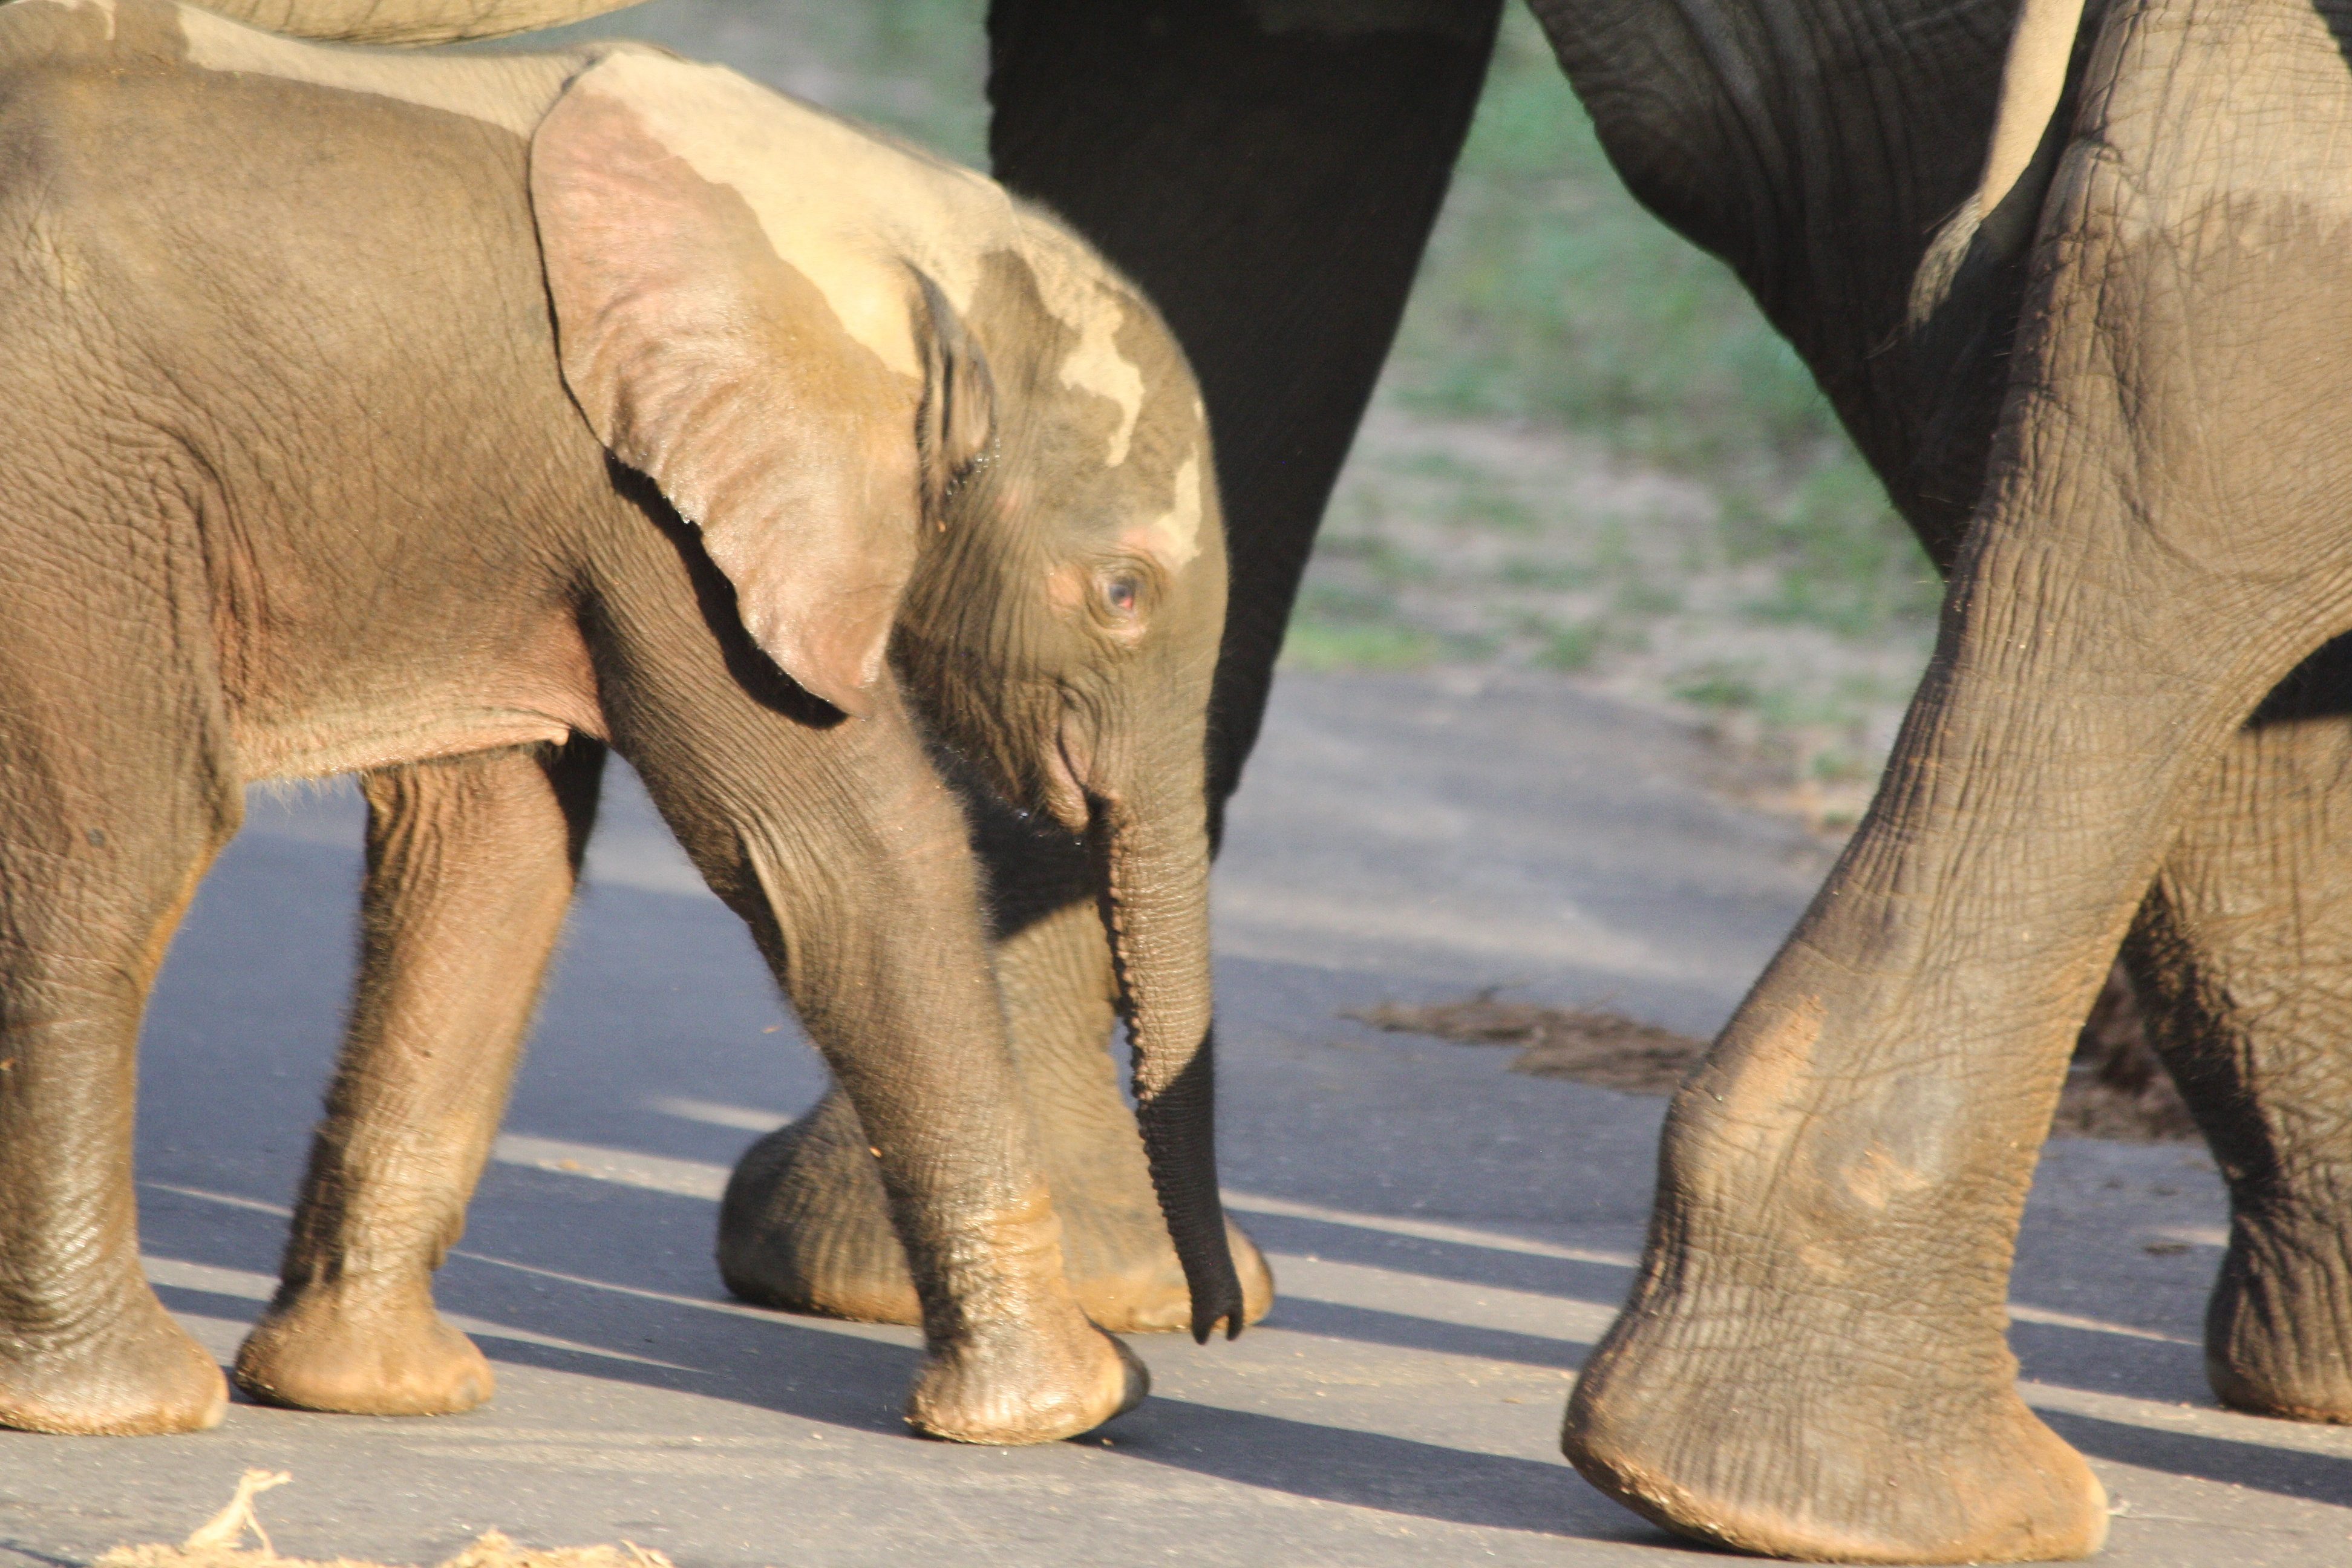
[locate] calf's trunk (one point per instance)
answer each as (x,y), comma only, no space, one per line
(1156,907)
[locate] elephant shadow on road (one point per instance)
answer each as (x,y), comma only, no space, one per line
(2258,1467)
(590,1309)
(615,1284)
(621,1316)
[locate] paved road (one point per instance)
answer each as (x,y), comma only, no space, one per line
(1449,1237)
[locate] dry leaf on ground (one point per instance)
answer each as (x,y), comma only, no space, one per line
(219,1542)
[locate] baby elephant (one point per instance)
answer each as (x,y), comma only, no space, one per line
(446,419)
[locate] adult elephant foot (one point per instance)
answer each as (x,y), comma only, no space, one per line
(2238,957)
(1814,1361)
(362,1349)
(138,1376)
(1824,1447)
(2278,1333)
(805,1226)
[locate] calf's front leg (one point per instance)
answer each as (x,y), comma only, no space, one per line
(805,1225)
(850,861)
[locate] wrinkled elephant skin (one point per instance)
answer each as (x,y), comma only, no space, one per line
(450,419)
(1816,145)
(2154,551)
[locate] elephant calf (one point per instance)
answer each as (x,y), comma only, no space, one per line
(450,418)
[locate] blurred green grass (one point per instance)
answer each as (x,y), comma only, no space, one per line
(1589,454)
(916,67)
(1549,298)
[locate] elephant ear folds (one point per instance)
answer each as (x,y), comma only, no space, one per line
(958,415)
(726,376)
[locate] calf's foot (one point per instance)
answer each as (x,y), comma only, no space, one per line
(362,1348)
(136,1375)
(1015,1386)
(1012,1359)
(804,1227)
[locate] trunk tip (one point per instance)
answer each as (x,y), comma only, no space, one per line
(1219,1302)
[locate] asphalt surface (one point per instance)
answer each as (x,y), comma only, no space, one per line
(1449,1237)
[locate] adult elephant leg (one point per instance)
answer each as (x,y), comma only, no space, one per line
(2242,959)
(1270,183)
(470,866)
(805,1226)
(1269,174)
(1812,1362)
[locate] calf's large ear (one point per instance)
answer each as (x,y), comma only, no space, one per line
(788,416)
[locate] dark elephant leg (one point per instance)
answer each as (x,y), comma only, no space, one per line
(470,868)
(1814,1360)
(2242,958)
(116,792)
(1269,176)
(1269,173)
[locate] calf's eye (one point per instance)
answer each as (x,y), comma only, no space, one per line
(1118,594)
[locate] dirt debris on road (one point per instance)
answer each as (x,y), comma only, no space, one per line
(2117,1088)
(1602,1048)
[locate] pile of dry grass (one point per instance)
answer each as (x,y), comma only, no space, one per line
(220,1542)
(2115,1089)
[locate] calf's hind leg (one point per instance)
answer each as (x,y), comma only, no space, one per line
(105,829)
(470,866)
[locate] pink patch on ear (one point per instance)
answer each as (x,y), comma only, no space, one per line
(702,359)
